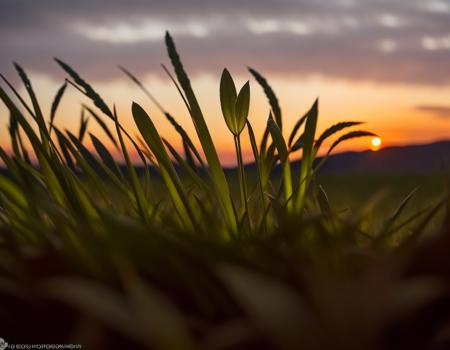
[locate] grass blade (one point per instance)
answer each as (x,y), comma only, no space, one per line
(258,169)
(45,136)
(307,156)
(141,202)
(88,90)
(332,130)
(171,179)
(280,144)
(218,176)
(273,101)
(295,129)
(55,105)
(102,124)
(83,125)
(105,155)
(349,136)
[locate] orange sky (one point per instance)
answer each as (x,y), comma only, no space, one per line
(388,109)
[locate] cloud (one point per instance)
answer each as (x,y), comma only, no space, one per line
(401,41)
(438,111)
(436,43)
(124,33)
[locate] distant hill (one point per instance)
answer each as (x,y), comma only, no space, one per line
(425,158)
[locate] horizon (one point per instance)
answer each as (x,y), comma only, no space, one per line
(382,63)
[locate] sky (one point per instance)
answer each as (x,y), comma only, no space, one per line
(386,63)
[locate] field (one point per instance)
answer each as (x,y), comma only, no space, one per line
(354,190)
(177,253)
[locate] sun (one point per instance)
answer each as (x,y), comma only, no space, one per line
(375,143)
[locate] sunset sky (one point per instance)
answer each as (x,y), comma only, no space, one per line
(383,62)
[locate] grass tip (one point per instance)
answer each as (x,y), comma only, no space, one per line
(136,107)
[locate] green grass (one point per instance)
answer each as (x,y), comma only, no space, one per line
(195,257)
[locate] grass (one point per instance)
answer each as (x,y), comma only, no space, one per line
(182,255)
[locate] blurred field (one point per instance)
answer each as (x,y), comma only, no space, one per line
(352,191)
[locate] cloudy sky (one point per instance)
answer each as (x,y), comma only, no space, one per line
(384,62)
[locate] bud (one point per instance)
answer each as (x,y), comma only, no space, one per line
(234,107)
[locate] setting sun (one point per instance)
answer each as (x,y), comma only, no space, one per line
(375,143)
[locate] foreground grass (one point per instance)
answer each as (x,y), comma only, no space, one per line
(101,255)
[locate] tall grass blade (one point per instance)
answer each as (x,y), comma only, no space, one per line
(105,155)
(332,130)
(343,138)
(171,179)
(45,136)
(264,140)
(15,113)
(307,156)
(65,152)
(280,144)
(273,101)
(102,124)
(83,125)
(251,135)
(218,176)
(88,90)
(298,144)
(349,136)
(19,97)
(13,133)
(296,128)
(242,181)
(189,156)
(55,104)
(141,201)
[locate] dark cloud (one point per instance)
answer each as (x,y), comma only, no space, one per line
(360,40)
(438,111)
